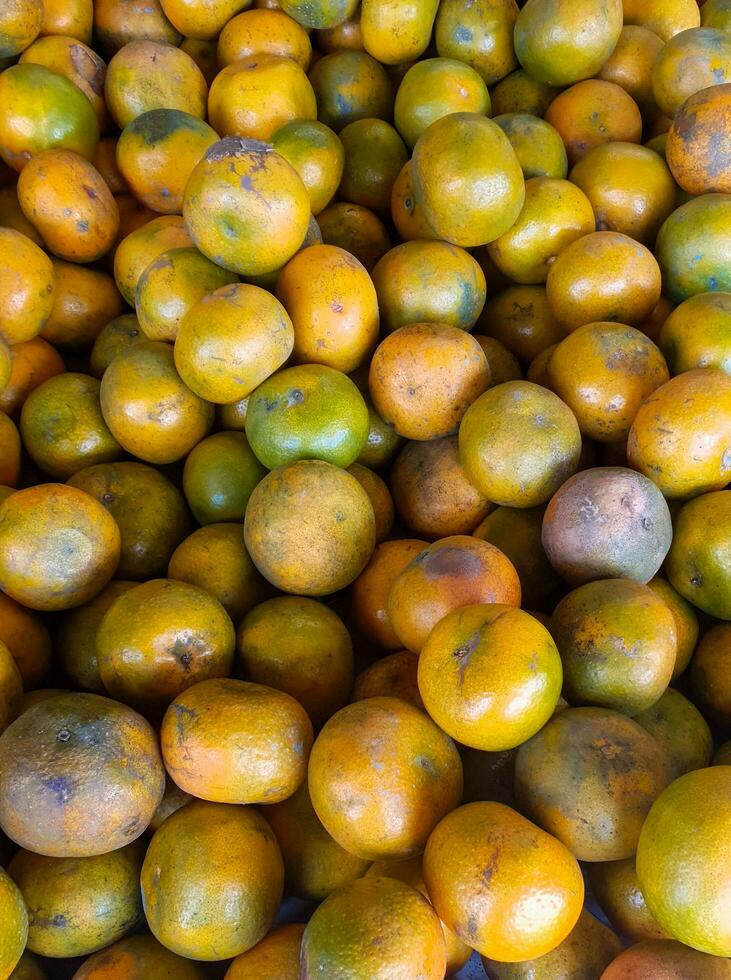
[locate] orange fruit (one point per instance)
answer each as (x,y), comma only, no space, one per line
(11,688)
(219,476)
(519,92)
(137,956)
(356,230)
(276,957)
(537,144)
(28,639)
(256,32)
(397,35)
(15,918)
(520,319)
(691,150)
(316,154)
(594,112)
(119,334)
(485,40)
(350,85)
(694,334)
(27,283)
(374,156)
(81,775)
(695,228)
(710,676)
(666,958)
(690,61)
(697,559)
(615,886)
(20,24)
(680,727)
(84,301)
(493,648)
(319,14)
(72,58)
(376,755)
(118,22)
(630,64)
(686,622)
(484,864)
(406,212)
(392,676)
(142,246)
(516,531)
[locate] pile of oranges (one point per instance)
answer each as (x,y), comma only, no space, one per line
(365,436)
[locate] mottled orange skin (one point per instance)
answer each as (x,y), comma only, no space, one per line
(63,429)
(630,64)
(369,593)
(20,23)
(518,92)
(615,886)
(119,22)
(424,376)
(667,959)
(392,676)
(456,571)
(310,528)
(696,333)
(258,32)
(375,927)
(74,60)
(160,638)
(486,41)
(604,372)
(333,307)
(692,60)
(136,957)
(84,301)
(684,458)
(230,741)
(629,187)
(698,164)
(374,156)
(26,287)
(57,182)
(594,112)
(603,276)
(350,85)
(15,921)
(276,957)
(245,207)
(381,775)
(28,640)
(146,75)
(149,410)
(356,230)
(696,562)
(406,212)
(40,528)
(485,867)
(616,768)
(90,791)
(434,88)
(431,491)
(143,246)
(554,214)
(149,510)
(212,880)
(314,864)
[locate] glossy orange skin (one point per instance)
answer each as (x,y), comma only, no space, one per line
(148,509)
(630,64)
(68,120)
(134,957)
(424,376)
(215,559)
(710,675)
(518,92)
(406,212)
(67,18)
(84,301)
(20,24)
(219,476)
(301,647)
(494,648)
(486,43)
(159,639)
(684,460)
(375,927)
(691,152)
(119,334)
(10,452)
(538,146)
(80,64)
(690,61)
(665,17)
(668,959)
(429,282)
(615,886)
(517,533)
(76,638)
(356,230)
(119,22)
(276,957)
(320,13)
(398,34)
(230,741)
(494,437)
(148,409)
(594,112)
(552,45)
(57,181)
(37,527)
(369,593)
(316,154)
(97,786)
(604,372)
(146,75)
(142,246)
(257,32)
(350,85)
(617,771)
(374,156)
(244,185)
(295,532)
(434,88)
(28,640)
(156,154)
(694,334)
(603,276)
(403,771)
(392,676)
(27,283)
(467,179)
(212,880)
(630,189)
(520,318)
(554,214)
(333,307)
(454,572)
(696,562)
(431,491)
(483,864)
(314,864)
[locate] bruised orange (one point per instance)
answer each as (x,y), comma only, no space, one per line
(696,162)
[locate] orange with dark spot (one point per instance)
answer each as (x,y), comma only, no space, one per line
(454,572)
(350,85)
(71,58)
(696,160)
(406,212)
(690,61)
(20,23)
(118,334)
(480,35)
